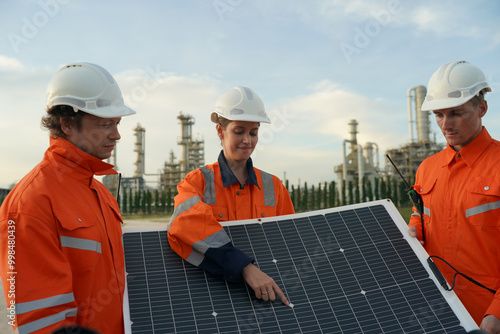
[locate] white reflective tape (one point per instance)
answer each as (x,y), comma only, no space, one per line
(216,240)
(482,208)
(79,243)
(44,303)
(33,326)
(268,189)
(209,195)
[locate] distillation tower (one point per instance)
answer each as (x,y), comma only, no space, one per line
(140,144)
(360,163)
(192,155)
(408,157)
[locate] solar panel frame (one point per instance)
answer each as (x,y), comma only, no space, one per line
(235,308)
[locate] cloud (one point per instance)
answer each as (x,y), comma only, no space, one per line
(159,98)
(446,19)
(310,130)
(8,64)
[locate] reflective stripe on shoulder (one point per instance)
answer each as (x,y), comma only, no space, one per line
(216,240)
(47,321)
(79,243)
(44,303)
(184,206)
(209,195)
(268,188)
(482,208)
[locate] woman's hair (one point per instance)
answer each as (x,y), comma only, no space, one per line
(52,121)
(224,122)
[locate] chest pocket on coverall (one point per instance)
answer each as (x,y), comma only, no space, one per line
(483,201)
(220,213)
(263,211)
(80,238)
(425,189)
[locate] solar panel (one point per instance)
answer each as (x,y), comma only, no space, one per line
(352,269)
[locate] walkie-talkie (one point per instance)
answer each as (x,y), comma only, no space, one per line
(415,197)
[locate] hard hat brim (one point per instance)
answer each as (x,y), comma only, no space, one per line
(438,104)
(241,117)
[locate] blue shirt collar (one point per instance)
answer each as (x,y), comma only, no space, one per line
(227,174)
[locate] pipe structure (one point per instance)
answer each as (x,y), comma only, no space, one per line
(422,121)
(410,114)
(361,171)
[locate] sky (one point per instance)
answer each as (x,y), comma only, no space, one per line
(316,64)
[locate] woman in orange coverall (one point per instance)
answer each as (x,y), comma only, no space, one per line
(230,189)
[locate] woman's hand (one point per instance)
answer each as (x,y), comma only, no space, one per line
(264,286)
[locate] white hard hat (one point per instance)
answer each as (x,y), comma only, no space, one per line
(87,87)
(453,84)
(240,104)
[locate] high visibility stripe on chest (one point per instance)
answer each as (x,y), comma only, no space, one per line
(79,243)
(209,194)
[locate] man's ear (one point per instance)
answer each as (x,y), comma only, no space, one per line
(66,126)
(483,108)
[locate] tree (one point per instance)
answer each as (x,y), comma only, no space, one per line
(137,202)
(350,189)
(305,198)
(383,189)
(325,195)
(313,198)
(331,194)
(131,202)
(377,189)
(164,202)
(344,196)
(157,201)
(394,188)
(298,200)
(369,189)
(357,195)
(124,207)
(148,201)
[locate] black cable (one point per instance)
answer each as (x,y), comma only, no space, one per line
(443,282)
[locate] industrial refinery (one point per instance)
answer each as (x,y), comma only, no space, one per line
(192,156)
(360,162)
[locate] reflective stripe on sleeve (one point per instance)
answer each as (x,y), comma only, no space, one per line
(209,195)
(47,321)
(427,211)
(215,240)
(44,303)
(184,206)
(268,188)
(482,208)
(79,243)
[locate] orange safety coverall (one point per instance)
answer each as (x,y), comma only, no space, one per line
(212,194)
(62,229)
(461,196)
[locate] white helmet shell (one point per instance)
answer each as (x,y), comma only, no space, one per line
(453,84)
(240,104)
(87,87)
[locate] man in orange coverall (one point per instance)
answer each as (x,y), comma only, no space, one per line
(61,255)
(460,189)
(230,189)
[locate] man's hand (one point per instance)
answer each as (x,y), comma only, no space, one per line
(490,324)
(264,286)
(412,230)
